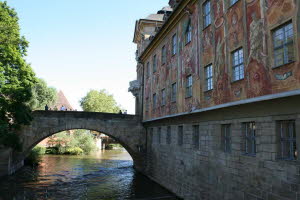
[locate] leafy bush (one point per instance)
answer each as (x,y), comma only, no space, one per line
(39,150)
(34,157)
(51,150)
(74,151)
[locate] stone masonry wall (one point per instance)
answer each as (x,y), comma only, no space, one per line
(207,172)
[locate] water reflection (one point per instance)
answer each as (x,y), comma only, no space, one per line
(106,175)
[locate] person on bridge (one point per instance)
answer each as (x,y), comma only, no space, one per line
(62,108)
(46,107)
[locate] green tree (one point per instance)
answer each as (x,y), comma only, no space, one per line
(42,95)
(99,101)
(16,78)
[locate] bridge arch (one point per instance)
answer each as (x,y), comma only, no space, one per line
(126,129)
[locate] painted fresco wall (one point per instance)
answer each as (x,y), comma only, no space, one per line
(248,24)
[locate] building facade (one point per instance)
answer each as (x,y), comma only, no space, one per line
(218,90)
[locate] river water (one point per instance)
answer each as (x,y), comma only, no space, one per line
(106,175)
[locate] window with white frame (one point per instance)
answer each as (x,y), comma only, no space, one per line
(163,55)
(238,64)
(206,14)
(189,86)
(250,138)
(188,32)
(283,40)
(287,140)
(174,44)
(208,77)
(154,63)
(163,97)
(174,92)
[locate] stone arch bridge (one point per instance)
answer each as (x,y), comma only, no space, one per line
(126,129)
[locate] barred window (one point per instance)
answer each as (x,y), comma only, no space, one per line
(189,85)
(180,135)
(287,141)
(206,14)
(154,101)
(233,2)
(174,92)
(168,135)
(163,97)
(154,63)
(151,135)
(250,138)
(159,135)
(174,44)
(188,32)
(163,55)
(196,136)
(209,77)
(226,138)
(238,64)
(283,38)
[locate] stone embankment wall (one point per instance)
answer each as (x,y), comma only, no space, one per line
(197,168)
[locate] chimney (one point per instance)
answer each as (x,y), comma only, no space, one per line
(174,3)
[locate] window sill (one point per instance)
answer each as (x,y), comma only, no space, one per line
(187,97)
(208,91)
(275,67)
(249,154)
(186,44)
(173,102)
(173,55)
(236,81)
(206,27)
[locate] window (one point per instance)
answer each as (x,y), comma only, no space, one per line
(159,135)
(163,97)
(147,104)
(206,14)
(209,77)
(226,138)
(233,2)
(154,63)
(238,64)
(196,136)
(180,135)
(168,135)
(283,45)
(154,100)
(250,140)
(287,141)
(151,135)
(174,92)
(174,44)
(148,70)
(163,55)
(189,84)
(188,33)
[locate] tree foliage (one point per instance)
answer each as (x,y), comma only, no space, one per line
(42,95)
(66,142)
(16,77)
(99,101)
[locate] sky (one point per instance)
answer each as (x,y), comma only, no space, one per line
(76,46)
